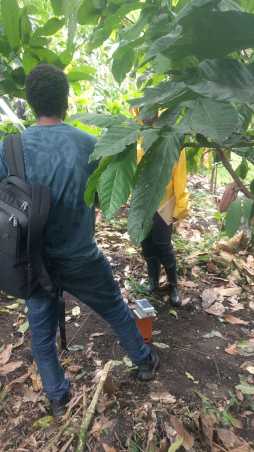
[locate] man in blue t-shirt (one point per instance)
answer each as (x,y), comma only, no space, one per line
(57,155)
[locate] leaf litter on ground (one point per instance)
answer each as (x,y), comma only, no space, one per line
(6,354)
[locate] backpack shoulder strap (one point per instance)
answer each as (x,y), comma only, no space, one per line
(13,150)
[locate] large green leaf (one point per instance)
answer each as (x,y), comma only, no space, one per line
(150,136)
(88,14)
(218,34)
(242,169)
(191,6)
(247,208)
(25,27)
(116,182)
(115,140)
(29,62)
(227,5)
(58,7)
(233,218)
(11,15)
(5,48)
(123,60)
(208,34)
(101,120)
(247,153)
(153,174)
(19,76)
(217,121)
(93,182)
(112,22)
(84,72)
(50,27)
(46,56)
(225,80)
(247,5)
(164,43)
(165,93)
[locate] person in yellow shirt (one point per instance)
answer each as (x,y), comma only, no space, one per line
(157,248)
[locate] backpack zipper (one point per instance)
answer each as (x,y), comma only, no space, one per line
(24,206)
(13,220)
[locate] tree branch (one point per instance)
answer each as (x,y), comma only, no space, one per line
(233,174)
(226,164)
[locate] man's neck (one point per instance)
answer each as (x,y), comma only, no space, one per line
(46,121)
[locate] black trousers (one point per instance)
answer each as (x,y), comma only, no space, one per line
(158,245)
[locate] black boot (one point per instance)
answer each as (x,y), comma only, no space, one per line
(153,269)
(174,296)
(58,407)
(147,369)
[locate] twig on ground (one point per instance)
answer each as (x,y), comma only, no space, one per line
(66,446)
(88,415)
(220,447)
(68,419)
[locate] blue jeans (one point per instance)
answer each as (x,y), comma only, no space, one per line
(93,284)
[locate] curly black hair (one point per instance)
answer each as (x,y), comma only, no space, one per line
(47,91)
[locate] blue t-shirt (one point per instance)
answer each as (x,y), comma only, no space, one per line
(57,156)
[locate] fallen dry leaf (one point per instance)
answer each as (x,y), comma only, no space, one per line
(188,284)
(208,297)
(216,309)
(19,342)
(246,348)
(100,425)
(5,355)
(151,437)
(207,424)
(75,368)
(30,396)
(251,305)
(35,377)
(10,367)
(163,397)
(231,441)
(248,366)
(231,349)
(19,380)
(108,448)
(242,348)
(213,334)
(234,320)
(229,291)
(186,301)
(226,257)
(160,345)
(188,440)
(176,445)
(110,387)
(43,422)
(164,445)
(190,377)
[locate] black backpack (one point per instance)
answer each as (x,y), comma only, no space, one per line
(24,210)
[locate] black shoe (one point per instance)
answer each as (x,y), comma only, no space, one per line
(174,297)
(148,368)
(58,407)
(153,269)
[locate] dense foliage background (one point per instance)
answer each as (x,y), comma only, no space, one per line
(191,61)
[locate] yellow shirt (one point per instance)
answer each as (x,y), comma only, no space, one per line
(176,190)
